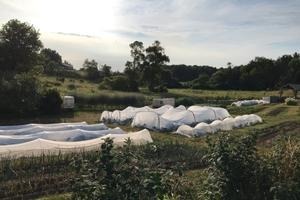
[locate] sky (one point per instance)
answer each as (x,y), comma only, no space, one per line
(193,32)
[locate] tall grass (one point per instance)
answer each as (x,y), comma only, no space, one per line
(111,99)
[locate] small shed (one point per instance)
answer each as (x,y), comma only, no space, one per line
(294,87)
(68,102)
(163,101)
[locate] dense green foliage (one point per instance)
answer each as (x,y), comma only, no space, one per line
(146,66)
(120,175)
(34,176)
(21,95)
(119,82)
(259,74)
(238,171)
(22,92)
(19,47)
(50,102)
(91,68)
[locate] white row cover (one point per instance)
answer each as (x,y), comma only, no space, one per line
(227,124)
(126,115)
(249,102)
(38,128)
(41,146)
(174,117)
(14,127)
(62,135)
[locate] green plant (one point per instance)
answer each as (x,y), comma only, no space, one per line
(21,95)
(186,101)
(71,86)
(237,171)
(291,102)
(50,102)
(120,174)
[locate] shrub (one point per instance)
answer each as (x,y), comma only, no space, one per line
(291,101)
(57,84)
(160,88)
(51,102)
(21,95)
(71,86)
(120,174)
(186,101)
(119,82)
(61,79)
(237,171)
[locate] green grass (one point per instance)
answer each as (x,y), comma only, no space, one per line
(221,94)
(87,89)
(56,197)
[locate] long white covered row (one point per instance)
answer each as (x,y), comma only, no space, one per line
(126,115)
(38,128)
(62,135)
(227,124)
(23,126)
(41,146)
(249,102)
(174,117)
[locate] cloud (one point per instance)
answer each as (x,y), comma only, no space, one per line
(199,32)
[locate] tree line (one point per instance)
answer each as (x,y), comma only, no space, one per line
(148,68)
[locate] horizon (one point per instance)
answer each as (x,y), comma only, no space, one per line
(202,32)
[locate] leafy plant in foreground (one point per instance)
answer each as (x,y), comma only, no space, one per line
(238,171)
(120,174)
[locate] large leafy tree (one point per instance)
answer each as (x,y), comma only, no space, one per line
(51,60)
(155,58)
(19,46)
(106,70)
(133,68)
(51,55)
(91,67)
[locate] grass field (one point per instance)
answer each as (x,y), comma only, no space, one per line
(279,120)
(88,89)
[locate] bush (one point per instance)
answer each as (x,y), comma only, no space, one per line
(61,79)
(291,102)
(51,102)
(120,175)
(21,95)
(71,86)
(186,101)
(160,88)
(119,82)
(238,171)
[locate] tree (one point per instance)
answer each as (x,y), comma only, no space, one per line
(51,55)
(152,67)
(19,46)
(133,68)
(201,82)
(22,95)
(91,67)
(50,102)
(106,70)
